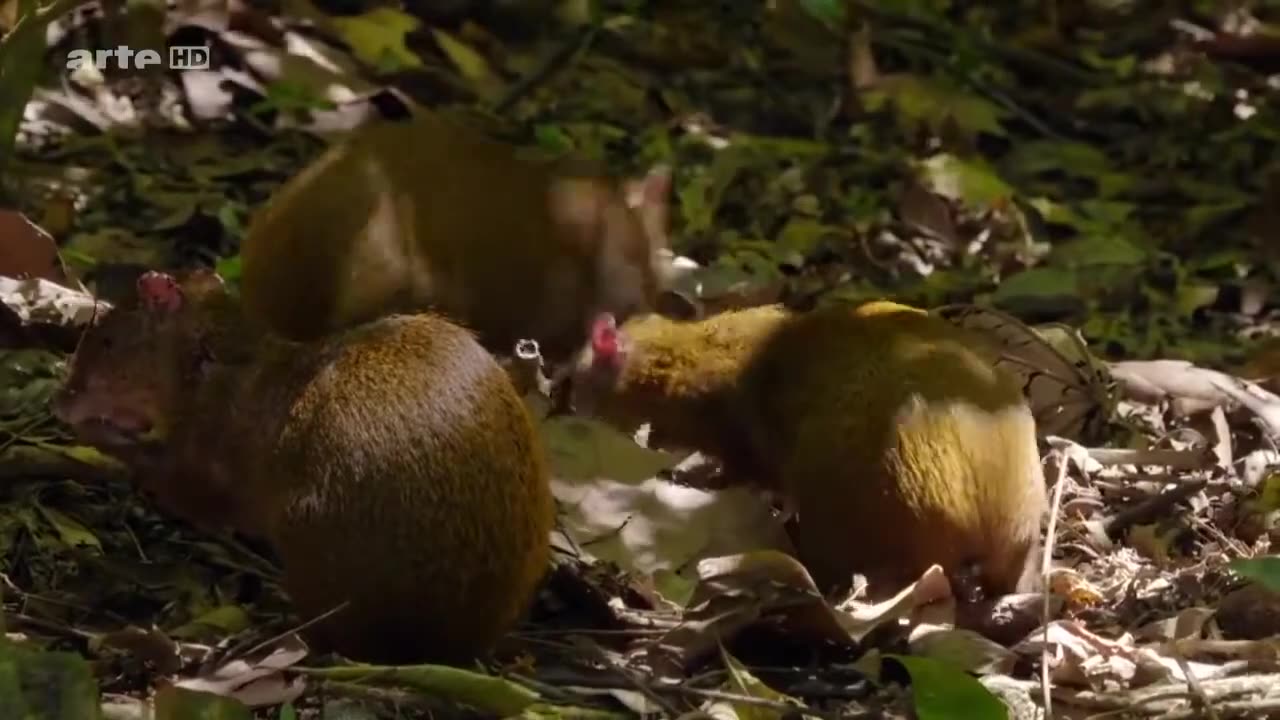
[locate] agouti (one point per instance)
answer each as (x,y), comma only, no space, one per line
(896,442)
(429,214)
(391,466)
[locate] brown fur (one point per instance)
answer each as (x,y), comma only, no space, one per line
(896,439)
(426,214)
(392,466)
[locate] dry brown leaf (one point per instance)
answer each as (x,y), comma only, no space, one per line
(257,683)
(1262,403)
(27,251)
(616,510)
(41,301)
(1189,388)
(1068,395)
(926,211)
(860,618)
(735,592)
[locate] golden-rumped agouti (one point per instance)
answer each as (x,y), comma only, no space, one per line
(392,466)
(889,431)
(429,214)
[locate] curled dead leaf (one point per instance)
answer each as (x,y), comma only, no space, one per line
(1068,391)
(737,591)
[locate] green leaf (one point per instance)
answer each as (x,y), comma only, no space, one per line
(831,13)
(803,236)
(377,38)
(942,692)
(1072,158)
(69,529)
(1098,250)
(52,685)
(483,692)
(228,268)
(929,102)
(1263,570)
(701,193)
(1042,282)
(175,703)
(552,138)
(971,181)
(218,622)
(471,65)
(1193,295)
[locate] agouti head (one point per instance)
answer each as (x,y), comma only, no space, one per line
(652,363)
(599,364)
(625,230)
(133,363)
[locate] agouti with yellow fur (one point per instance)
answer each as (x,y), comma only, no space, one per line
(428,214)
(895,440)
(392,466)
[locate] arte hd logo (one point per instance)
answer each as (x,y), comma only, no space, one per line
(122,57)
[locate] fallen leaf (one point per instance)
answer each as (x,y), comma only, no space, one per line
(377,38)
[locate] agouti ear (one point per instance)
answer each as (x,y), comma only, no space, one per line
(203,283)
(650,198)
(159,292)
(652,189)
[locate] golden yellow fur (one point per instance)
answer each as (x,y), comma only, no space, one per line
(898,442)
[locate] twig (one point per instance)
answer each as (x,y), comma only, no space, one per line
(636,681)
(12,590)
(34,461)
(1043,63)
(784,709)
(1045,562)
(280,636)
(994,95)
(1175,459)
(50,626)
(1201,700)
(559,60)
(1152,508)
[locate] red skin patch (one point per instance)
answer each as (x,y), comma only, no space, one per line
(158,291)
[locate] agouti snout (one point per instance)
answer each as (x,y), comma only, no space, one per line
(392,466)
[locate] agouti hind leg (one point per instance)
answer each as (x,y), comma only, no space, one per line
(837,534)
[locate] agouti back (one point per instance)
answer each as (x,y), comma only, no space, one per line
(392,466)
(428,214)
(897,442)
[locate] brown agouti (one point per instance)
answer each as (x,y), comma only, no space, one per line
(896,442)
(392,466)
(428,214)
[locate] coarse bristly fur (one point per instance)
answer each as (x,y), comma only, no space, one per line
(895,438)
(392,466)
